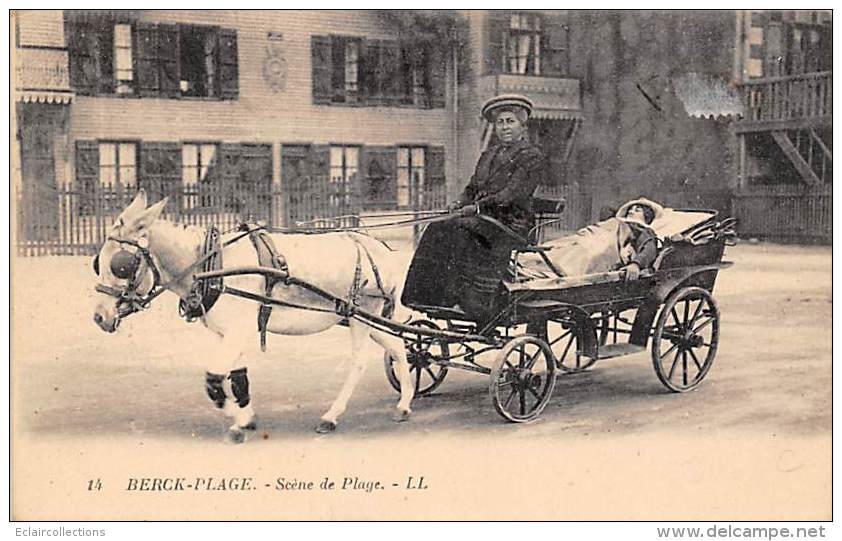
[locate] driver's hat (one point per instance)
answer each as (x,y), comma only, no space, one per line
(506,100)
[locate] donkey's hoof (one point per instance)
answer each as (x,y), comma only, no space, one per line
(401,416)
(251,425)
(326,427)
(235,435)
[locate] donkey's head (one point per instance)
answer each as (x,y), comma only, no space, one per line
(124,266)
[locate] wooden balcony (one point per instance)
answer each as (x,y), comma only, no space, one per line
(787,102)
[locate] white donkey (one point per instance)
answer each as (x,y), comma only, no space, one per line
(148,252)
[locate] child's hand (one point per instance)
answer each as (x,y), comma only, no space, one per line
(632,271)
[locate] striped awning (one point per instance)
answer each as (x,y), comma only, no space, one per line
(557,114)
(43,96)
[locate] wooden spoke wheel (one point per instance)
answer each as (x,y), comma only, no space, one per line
(522,379)
(421,354)
(685,339)
(564,339)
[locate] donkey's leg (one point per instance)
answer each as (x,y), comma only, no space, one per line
(330,418)
(394,347)
(229,389)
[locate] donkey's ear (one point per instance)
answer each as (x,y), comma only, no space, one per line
(135,207)
(146,218)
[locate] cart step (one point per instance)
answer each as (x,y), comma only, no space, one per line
(618,350)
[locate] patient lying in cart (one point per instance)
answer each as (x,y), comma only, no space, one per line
(628,241)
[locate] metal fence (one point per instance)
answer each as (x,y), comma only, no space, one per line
(72,220)
(787,213)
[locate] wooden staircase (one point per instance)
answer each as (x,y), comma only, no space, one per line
(810,156)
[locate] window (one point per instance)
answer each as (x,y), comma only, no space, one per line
(528,43)
(371,72)
(147,59)
(117,172)
(198,61)
(345,71)
(344,164)
(410,181)
(523,44)
(123,68)
(198,170)
(118,165)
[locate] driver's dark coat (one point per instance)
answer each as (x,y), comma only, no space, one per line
(504,182)
(463,260)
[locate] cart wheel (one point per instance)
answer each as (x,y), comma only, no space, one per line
(421,351)
(564,340)
(522,379)
(685,339)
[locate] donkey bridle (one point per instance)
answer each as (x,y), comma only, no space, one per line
(131,266)
(129,301)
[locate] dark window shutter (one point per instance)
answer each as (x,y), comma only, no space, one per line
(390,72)
(169,57)
(337,77)
(496,23)
(232,159)
(82,59)
(160,171)
(321,161)
(435,166)
(321,57)
(295,183)
(254,191)
(437,76)
(148,76)
(379,172)
(229,71)
(87,175)
(555,45)
(105,46)
(370,71)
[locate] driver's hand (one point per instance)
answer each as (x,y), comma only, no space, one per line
(632,271)
(454,206)
(469,210)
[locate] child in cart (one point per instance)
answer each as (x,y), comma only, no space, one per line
(640,247)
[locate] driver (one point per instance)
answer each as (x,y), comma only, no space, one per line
(462,261)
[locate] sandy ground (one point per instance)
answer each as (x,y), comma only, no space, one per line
(752,442)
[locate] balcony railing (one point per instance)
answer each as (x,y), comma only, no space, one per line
(807,96)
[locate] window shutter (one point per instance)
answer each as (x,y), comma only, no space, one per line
(323,203)
(87,175)
(148,77)
(435,166)
(378,168)
(105,46)
(160,172)
(321,56)
(437,76)
(254,191)
(369,71)
(555,45)
(295,182)
(169,57)
(229,71)
(496,24)
(232,158)
(83,68)
(390,72)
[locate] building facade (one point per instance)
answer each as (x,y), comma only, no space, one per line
(278,116)
(783,67)
(288,116)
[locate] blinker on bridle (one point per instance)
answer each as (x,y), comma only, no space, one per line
(126,265)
